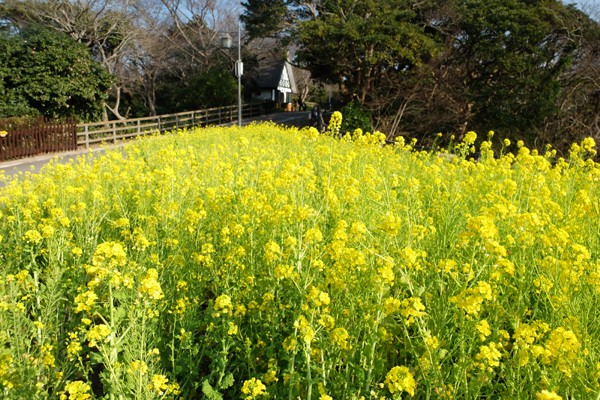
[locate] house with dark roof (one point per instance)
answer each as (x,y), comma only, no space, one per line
(275,81)
(274,78)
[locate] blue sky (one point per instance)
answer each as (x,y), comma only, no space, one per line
(584,3)
(592,7)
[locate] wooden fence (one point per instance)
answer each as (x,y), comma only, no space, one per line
(114,131)
(38,136)
(41,136)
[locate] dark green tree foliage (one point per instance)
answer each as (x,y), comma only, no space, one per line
(265,18)
(47,73)
(512,53)
(201,89)
(12,103)
(357,44)
(217,87)
(355,116)
(106,27)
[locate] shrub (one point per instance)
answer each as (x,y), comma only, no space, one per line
(356,117)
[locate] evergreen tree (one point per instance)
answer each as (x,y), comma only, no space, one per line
(266,18)
(48,73)
(511,53)
(358,45)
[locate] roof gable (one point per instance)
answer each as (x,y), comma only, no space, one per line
(273,70)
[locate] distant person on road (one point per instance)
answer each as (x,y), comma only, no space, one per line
(316,119)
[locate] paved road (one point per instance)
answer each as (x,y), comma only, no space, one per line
(34,164)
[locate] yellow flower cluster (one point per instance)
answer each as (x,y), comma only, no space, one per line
(108,260)
(159,384)
(84,301)
(471,300)
(253,388)
(489,356)
(76,390)
(272,251)
(305,329)
(223,305)
(411,309)
(149,286)
(317,297)
(138,367)
(547,395)
(340,337)
(97,333)
(335,123)
(400,379)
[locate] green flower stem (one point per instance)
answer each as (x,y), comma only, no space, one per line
(308,372)
(374,344)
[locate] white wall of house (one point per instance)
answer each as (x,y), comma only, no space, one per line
(285,85)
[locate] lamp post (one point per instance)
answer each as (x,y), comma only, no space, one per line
(239,67)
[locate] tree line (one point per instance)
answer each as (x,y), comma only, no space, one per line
(523,68)
(114,59)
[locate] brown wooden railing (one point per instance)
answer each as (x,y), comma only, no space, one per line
(37,136)
(113,131)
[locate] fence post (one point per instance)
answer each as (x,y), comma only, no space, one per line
(44,133)
(73,134)
(17,145)
(49,136)
(55,137)
(114,127)
(39,143)
(139,129)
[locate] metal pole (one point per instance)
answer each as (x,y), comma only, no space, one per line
(239,75)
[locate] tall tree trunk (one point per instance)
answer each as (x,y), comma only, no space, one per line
(115,109)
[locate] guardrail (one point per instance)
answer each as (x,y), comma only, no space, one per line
(113,131)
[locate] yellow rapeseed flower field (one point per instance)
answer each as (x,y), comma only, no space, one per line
(270,262)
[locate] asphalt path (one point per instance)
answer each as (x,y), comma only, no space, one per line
(35,164)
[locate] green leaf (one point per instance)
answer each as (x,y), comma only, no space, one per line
(209,392)
(227,381)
